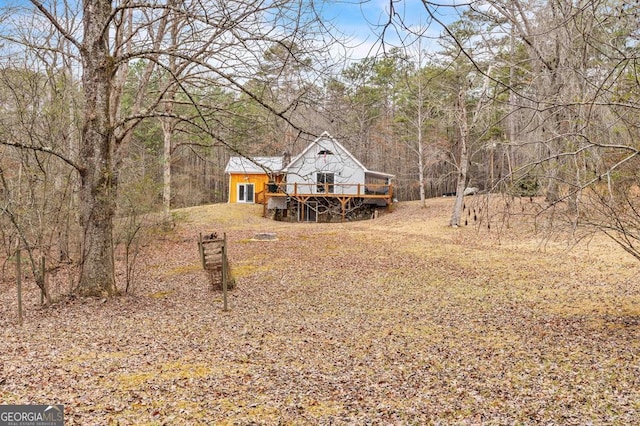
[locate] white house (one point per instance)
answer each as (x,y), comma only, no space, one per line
(324,182)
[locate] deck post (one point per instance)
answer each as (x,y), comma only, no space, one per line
(344,201)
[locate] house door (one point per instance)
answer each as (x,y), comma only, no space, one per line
(308,212)
(245,193)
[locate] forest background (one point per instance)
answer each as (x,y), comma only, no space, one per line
(114,110)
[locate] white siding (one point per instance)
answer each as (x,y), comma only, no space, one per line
(325,156)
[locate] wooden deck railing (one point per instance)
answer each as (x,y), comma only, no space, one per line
(359,190)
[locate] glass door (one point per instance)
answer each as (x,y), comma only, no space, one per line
(245,193)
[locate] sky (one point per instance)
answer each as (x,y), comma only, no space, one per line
(361,21)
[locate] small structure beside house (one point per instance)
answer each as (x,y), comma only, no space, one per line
(248,177)
(324,183)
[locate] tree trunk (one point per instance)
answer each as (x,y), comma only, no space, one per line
(97,187)
(167,132)
(463,164)
(168,123)
(423,198)
(421,119)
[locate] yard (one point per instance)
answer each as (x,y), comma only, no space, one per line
(398,320)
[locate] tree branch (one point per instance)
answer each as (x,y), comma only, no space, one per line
(47,150)
(56,24)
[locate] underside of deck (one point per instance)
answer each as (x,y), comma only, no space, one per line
(346,197)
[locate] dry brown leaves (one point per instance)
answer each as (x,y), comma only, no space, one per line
(400,320)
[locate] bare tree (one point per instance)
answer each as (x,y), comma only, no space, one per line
(574,94)
(420,110)
(217,46)
(38,107)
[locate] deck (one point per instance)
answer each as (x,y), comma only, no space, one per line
(344,193)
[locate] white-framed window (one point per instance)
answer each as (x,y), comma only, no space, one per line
(325,182)
(245,193)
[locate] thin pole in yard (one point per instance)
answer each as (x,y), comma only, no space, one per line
(201,250)
(43,289)
(19,285)
(224,271)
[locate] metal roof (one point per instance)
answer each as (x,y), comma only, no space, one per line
(254,165)
(257,165)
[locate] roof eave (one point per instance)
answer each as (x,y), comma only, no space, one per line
(379,174)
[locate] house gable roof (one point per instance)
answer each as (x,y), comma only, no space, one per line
(255,165)
(326,135)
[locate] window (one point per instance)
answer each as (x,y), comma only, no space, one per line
(324,152)
(325,182)
(245,193)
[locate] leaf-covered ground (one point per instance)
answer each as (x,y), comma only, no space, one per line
(399,320)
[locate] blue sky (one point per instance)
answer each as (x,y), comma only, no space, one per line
(361,21)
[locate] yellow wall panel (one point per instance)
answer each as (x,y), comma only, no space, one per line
(258,180)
